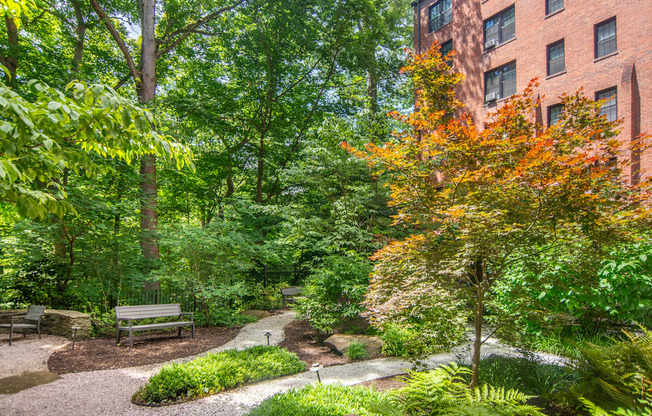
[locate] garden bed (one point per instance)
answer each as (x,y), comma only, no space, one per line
(301,339)
(149,348)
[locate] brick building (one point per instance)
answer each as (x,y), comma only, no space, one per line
(604,46)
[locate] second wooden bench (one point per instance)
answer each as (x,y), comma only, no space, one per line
(132,313)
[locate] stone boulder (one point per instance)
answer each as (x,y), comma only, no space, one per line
(58,322)
(257,313)
(340,342)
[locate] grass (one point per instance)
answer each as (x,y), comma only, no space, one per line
(320,400)
(216,372)
(356,351)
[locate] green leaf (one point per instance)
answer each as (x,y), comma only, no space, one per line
(54,105)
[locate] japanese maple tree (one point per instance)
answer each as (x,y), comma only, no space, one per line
(478,198)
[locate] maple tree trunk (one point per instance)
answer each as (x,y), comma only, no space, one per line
(146,93)
(478,315)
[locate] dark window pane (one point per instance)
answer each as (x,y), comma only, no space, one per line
(500,82)
(441,13)
(605,38)
(610,107)
(556,58)
(554,113)
(509,81)
(446,47)
(500,28)
(554,5)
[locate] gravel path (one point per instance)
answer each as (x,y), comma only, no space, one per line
(109,392)
(29,354)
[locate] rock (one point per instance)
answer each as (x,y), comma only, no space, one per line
(57,322)
(340,342)
(258,314)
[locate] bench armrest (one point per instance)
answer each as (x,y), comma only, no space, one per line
(17,317)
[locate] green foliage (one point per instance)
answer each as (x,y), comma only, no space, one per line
(56,131)
(356,350)
(320,400)
(444,391)
(334,293)
(216,372)
(528,375)
(618,375)
(265,298)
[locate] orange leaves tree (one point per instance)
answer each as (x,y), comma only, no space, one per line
(476,200)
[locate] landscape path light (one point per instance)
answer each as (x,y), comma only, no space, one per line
(268,334)
(315,369)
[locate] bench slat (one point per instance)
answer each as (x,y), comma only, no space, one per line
(155,326)
(147,311)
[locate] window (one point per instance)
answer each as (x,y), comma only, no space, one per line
(500,82)
(554,113)
(556,57)
(500,28)
(610,107)
(553,6)
(445,49)
(605,37)
(440,14)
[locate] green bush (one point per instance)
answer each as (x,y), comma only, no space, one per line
(416,339)
(320,400)
(444,391)
(334,293)
(217,372)
(356,351)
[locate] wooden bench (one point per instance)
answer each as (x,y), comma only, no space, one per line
(131,313)
(291,294)
(34,314)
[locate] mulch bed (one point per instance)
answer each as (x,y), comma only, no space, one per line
(149,348)
(301,339)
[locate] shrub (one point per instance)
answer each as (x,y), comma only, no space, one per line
(444,391)
(320,400)
(416,339)
(217,372)
(356,351)
(334,293)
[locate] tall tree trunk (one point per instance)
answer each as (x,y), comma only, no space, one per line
(13,51)
(261,170)
(146,87)
(481,280)
(80,35)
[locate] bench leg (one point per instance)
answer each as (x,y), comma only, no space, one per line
(38,328)
(179,332)
(117,336)
(24,333)
(11,332)
(193,329)
(131,339)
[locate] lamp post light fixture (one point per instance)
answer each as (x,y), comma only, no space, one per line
(315,369)
(268,334)
(74,335)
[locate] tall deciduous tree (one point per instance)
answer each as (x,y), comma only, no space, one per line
(478,198)
(179,22)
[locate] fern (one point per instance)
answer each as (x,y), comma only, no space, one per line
(495,395)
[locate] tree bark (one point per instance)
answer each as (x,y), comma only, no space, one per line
(80,35)
(146,88)
(261,170)
(481,287)
(13,51)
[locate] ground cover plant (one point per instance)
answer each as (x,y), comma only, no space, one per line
(216,372)
(446,391)
(356,351)
(320,400)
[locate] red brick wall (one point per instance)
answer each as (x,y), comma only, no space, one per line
(630,70)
